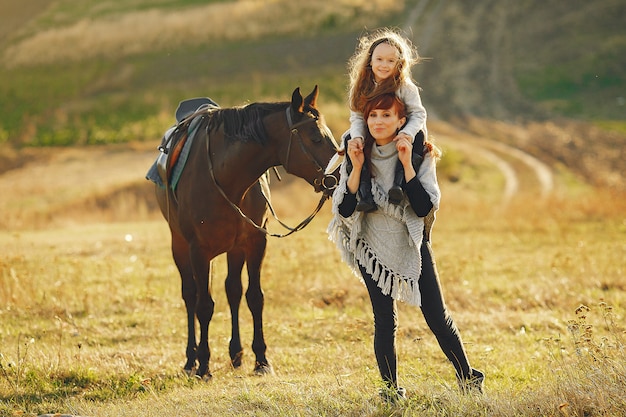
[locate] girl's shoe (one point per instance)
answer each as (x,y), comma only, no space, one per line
(395,194)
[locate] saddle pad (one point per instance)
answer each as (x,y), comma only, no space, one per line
(153,173)
(157,171)
(184,153)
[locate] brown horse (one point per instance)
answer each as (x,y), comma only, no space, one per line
(218,189)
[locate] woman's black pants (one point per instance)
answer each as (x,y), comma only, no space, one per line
(436,315)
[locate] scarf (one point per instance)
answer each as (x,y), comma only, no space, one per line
(385,242)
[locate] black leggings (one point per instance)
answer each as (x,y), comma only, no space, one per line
(436,315)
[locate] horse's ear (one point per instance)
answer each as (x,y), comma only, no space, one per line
(297,104)
(311,99)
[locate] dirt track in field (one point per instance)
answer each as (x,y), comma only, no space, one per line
(512,162)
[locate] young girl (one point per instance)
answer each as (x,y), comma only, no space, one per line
(389,248)
(382,64)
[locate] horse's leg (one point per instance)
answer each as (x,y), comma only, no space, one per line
(205,306)
(180,252)
(234,291)
(255,299)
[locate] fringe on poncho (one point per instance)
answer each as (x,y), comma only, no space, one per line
(355,250)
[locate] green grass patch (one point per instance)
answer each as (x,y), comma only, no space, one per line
(94,104)
(105,93)
(612,125)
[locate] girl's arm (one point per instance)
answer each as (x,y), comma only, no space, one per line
(415,111)
(357,125)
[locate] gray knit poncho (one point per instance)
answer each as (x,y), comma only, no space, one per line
(387,241)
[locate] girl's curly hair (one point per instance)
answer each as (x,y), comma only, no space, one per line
(362,86)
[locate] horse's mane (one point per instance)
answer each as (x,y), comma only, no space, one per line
(243,123)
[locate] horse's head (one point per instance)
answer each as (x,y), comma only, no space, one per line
(311,143)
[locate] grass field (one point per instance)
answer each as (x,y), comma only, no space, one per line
(93,323)
(530,240)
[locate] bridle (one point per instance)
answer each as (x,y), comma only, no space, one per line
(328,182)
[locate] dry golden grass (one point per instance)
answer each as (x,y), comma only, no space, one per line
(98,306)
(60,186)
(155,29)
(13,15)
(92,322)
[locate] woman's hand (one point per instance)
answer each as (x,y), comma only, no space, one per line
(405,152)
(357,157)
(355,153)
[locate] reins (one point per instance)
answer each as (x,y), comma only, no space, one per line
(293,131)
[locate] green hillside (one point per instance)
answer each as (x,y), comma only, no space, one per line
(540,58)
(83,72)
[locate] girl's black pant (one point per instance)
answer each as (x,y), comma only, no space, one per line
(434,311)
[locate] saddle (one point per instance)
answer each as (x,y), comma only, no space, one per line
(177,140)
(176,144)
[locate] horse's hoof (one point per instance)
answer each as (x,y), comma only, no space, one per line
(263,369)
(190,373)
(236,361)
(204,378)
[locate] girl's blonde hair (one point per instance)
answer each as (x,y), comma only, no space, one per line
(362,87)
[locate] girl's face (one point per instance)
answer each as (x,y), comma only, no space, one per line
(384,124)
(384,61)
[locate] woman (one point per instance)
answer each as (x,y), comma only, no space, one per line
(382,64)
(390,247)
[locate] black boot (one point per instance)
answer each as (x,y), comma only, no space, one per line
(366,199)
(417,156)
(395,192)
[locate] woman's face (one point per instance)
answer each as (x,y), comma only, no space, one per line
(384,61)
(384,124)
